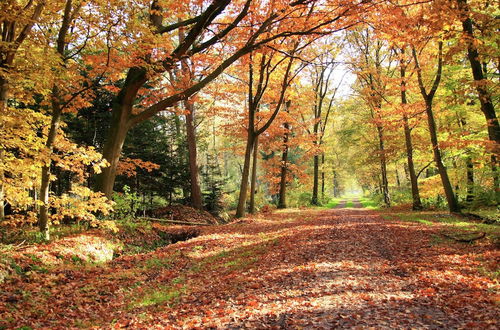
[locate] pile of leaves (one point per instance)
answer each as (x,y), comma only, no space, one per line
(183,213)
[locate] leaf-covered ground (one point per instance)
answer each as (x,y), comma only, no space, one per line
(293,269)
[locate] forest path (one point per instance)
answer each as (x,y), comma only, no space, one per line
(287,270)
(349,203)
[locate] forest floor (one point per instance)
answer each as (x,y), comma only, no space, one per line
(290,269)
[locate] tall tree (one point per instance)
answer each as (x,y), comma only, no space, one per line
(428,97)
(16,24)
(403,64)
(481,85)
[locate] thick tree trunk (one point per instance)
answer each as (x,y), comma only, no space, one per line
(253,183)
(383,168)
(120,125)
(314,200)
(196,200)
(112,149)
(284,169)
(443,173)
(240,211)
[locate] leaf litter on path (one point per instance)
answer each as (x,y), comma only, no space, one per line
(308,269)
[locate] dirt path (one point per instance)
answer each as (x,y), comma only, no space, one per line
(341,204)
(354,202)
(357,204)
(289,270)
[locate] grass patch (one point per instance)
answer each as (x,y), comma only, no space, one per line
(349,204)
(158,296)
(159,262)
(368,203)
(457,224)
(332,203)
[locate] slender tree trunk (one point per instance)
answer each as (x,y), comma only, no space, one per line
(383,167)
(196,200)
(336,191)
(3,108)
(470,179)
(443,173)
(415,193)
(417,203)
(253,183)
(43,215)
(314,200)
(485,97)
(284,169)
(323,176)
(240,211)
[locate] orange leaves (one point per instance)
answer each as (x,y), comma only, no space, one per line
(129,166)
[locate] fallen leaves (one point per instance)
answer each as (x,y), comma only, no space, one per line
(336,269)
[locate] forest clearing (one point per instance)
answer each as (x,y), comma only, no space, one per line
(249,164)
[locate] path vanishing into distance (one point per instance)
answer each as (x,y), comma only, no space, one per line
(349,203)
(292,269)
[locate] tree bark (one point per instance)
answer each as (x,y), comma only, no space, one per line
(314,199)
(253,182)
(120,125)
(284,168)
(415,193)
(485,97)
(323,176)
(428,98)
(383,167)
(43,215)
(196,199)
(443,173)
(240,211)
(3,108)
(470,179)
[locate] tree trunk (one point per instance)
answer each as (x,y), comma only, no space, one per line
(383,167)
(112,149)
(417,203)
(336,191)
(120,125)
(43,215)
(470,179)
(443,173)
(3,108)
(314,200)
(323,176)
(240,211)
(415,193)
(485,97)
(284,169)
(253,183)
(196,200)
